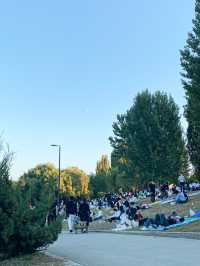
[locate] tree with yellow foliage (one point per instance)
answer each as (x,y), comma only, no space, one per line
(66,183)
(103,165)
(79,179)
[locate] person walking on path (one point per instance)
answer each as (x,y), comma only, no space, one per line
(71,213)
(84,214)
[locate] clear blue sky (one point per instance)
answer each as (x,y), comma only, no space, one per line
(68,67)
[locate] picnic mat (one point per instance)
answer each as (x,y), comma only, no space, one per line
(188,220)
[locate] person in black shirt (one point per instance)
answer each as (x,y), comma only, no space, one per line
(71,213)
(132,211)
(84,213)
(152,188)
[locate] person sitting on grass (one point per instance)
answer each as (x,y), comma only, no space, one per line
(161,220)
(174,218)
(115,216)
(181,197)
(124,221)
(98,215)
(132,211)
(139,218)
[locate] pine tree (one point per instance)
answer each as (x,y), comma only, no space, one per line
(190,62)
(24,207)
(7,203)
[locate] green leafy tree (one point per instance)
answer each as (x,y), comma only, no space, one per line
(41,179)
(95,185)
(190,62)
(103,175)
(122,171)
(148,139)
(186,165)
(102,180)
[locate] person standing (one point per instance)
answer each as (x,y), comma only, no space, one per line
(71,213)
(152,188)
(181,180)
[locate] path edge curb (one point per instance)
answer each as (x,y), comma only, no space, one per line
(67,262)
(187,235)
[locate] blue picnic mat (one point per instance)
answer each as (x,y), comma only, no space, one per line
(188,220)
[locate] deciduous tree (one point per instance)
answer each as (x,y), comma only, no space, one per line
(148,143)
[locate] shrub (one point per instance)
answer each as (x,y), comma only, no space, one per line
(23,228)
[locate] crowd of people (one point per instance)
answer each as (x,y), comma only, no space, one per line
(126,207)
(131,217)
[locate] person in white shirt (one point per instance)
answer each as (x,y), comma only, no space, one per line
(116,216)
(181,180)
(124,220)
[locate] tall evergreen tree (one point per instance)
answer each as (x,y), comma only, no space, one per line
(7,203)
(24,207)
(190,62)
(148,139)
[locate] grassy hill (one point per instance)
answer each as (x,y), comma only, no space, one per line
(181,209)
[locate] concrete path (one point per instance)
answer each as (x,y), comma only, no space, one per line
(96,249)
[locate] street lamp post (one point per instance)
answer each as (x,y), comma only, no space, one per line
(59,167)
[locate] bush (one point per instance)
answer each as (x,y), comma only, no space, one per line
(193,178)
(23,228)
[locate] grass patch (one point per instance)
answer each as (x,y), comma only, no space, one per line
(181,209)
(36,259)
(193,227)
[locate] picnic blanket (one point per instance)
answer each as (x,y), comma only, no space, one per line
(187,220)
(197,214)
(162,202)
(167,201)
(172,200)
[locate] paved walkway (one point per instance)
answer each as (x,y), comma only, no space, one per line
(96,249)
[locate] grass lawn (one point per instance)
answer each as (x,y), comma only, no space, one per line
(193,227)
(36,259)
